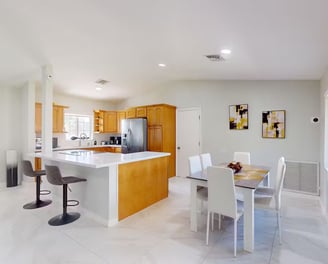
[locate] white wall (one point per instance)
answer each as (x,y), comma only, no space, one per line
(11,120)
(324,142)
(300,99)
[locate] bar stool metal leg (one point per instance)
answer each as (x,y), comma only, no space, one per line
(64,218)
(38,202)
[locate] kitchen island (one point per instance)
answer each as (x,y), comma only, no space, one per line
(118,185)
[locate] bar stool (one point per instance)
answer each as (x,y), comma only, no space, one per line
(28,171)
(54,177)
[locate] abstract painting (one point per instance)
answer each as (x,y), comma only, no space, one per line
(273,124)
(238,116)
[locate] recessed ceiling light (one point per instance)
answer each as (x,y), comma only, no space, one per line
(225,51)
(161,65)
(98,88)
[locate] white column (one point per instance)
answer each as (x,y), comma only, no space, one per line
(47,99)
(29,120)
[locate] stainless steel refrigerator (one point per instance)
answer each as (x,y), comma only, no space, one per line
(134,135)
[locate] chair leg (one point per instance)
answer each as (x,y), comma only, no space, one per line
(279,225)
(212,220)
(38,187)
(235,238)
(38,202)
(219,222)
(64,218)
(64,199)
(208,225)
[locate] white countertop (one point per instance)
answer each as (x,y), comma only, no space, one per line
(93,159)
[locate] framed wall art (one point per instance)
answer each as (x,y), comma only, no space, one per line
(273,124)
(238,116)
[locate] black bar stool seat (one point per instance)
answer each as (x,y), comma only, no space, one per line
(54,177)
(28,171)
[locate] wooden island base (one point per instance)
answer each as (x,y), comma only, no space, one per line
(141,184)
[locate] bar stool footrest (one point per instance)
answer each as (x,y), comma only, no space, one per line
(73,202)
(45,192)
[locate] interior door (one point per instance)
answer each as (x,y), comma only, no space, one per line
(188,137)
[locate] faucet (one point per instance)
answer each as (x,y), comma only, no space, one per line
(82,136)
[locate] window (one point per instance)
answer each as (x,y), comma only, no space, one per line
(75,125)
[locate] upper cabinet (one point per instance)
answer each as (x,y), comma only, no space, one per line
(141,111)
(155,115)
(130,113)
(110,121)
(105,121)
(98,121)
(57,118)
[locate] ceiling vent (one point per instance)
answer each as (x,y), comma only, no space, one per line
(215,57)
(102,82)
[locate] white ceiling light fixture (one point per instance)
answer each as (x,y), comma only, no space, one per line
(226,51)
(162,65)
(98,88)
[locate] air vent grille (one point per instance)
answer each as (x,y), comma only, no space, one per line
(215,57)
(102,81)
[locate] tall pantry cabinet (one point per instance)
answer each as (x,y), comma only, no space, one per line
(162,131)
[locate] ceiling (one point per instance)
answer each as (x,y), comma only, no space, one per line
(123,42)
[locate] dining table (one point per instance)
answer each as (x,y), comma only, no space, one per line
(246,181)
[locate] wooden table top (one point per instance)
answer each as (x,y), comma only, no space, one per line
(250,176)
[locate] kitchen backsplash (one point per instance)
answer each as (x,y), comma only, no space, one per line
(62,142)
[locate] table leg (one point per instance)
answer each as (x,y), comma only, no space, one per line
(193,206)
(248,219)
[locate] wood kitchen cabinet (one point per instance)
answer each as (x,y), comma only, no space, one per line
(120,115)
(104,121)
(37,164)
(38,118)
(105,149)
(141,111)
(110,121)
(162,131)
(131,112)
(98,121)
(57,118)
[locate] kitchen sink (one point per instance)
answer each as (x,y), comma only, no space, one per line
(76,152)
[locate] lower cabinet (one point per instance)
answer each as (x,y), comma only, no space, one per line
(37,164)
(105,149)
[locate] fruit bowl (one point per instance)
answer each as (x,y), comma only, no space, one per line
(235,166)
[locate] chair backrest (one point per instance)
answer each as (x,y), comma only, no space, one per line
(242,157)
(221,191)
(195,165)
(281,171)
(53,175)
(206,160)
(27,168)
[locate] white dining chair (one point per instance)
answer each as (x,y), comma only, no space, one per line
(195,168)
(222,198)
(270,198)
(206,160)
(195,165)
(242,157)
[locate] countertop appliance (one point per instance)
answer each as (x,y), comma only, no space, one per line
(134,135)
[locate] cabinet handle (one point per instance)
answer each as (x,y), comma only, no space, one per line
(178,148)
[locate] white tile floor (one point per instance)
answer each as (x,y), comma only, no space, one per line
(159,234)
